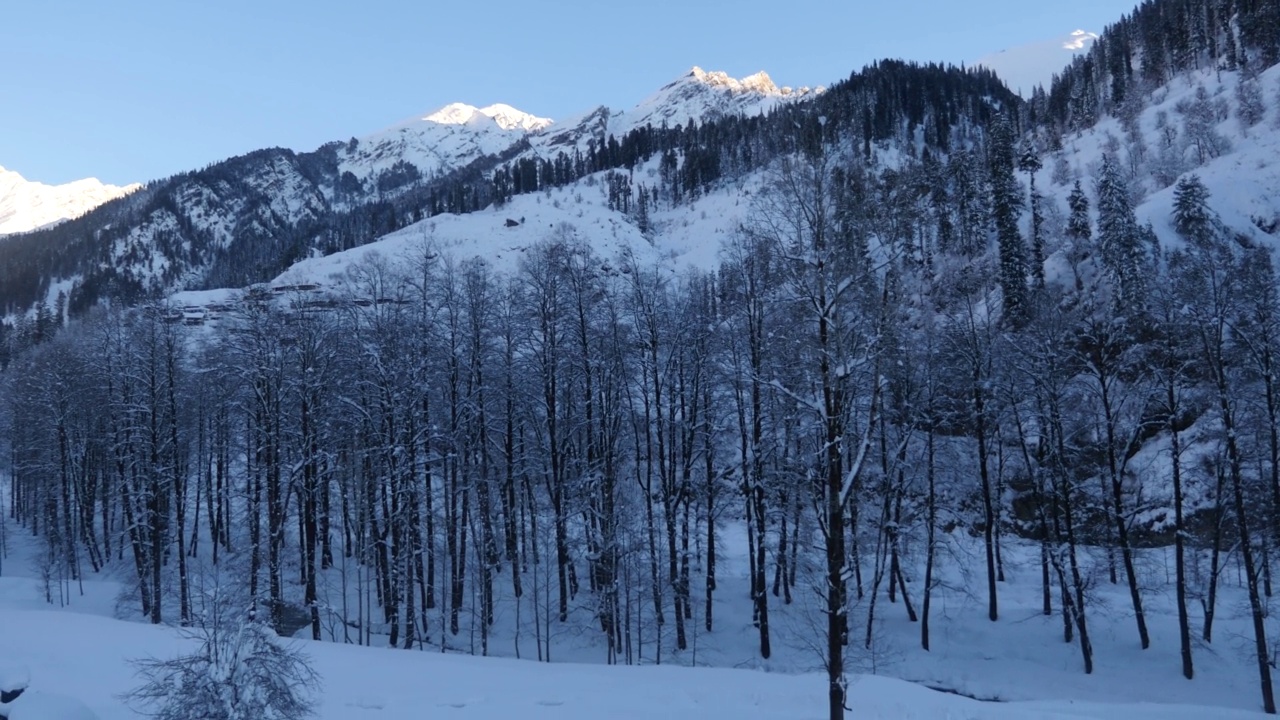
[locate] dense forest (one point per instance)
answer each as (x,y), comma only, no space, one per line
(580,432)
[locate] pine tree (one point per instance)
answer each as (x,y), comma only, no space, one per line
(972,216)
(643,223)
(1006,203)
(1120,239)
(1079,228)
(1191,215)
(1029,162)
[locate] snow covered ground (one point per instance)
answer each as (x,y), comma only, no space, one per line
(88,656)
(1019,667)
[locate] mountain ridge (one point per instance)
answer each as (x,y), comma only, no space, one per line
(27,205)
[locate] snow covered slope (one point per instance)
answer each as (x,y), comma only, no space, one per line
(27,205)
(685,236)
(1024,67)
(1242,178)
(438,142)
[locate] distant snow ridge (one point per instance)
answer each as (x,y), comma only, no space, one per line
(704,95)
(26,205)
(697,95)
(1024,67)
(440,141)
(506,117)
(458,133)
(760,82)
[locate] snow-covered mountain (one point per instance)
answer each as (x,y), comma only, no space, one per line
(450,137)
(697,95)
(458,134)
(1024,67)
(27,205)
(701,95)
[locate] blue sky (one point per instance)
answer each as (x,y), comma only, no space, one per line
(135,90)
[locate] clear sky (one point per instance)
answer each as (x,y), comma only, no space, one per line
(134,90)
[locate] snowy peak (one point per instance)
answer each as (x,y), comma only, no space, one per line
(26,205)
(698,95)
(705,95)
(440,141)
(758,83)
(509,118)
(454,114)
(458,133)
(505,116)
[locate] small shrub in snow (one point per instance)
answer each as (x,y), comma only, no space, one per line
(1250,108)
(241,672)
(1062,172)
(1200,116)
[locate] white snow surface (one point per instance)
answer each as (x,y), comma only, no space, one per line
(37,705)
(1024,67)
(363,682)
(27,205)
(1019,663)
(16,677)
(689,235)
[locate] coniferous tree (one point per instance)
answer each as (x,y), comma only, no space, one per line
(1029,162)
(1120,240)
(971,204)
(1079,227)
(1006,204)
(1191,215)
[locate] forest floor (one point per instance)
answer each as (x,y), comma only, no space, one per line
(1018,667)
